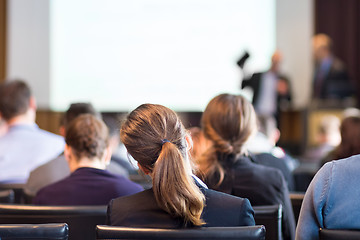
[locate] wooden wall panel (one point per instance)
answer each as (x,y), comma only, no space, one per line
(2,40)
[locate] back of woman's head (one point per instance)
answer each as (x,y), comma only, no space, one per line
(87,136)
(350,137)
(155,137)
(228,121)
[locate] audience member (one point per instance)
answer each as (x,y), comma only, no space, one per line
(331,80)
(156,138)
(87,152)
(57,168)
(24,146)
(200,144)
(272,133)
(229,121)
(327,138)
(350,140)
(118,164)
(331,200)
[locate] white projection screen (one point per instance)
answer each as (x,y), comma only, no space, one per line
(119,54)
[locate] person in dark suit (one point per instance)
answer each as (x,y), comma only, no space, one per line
(271,90)
(228,122)
(155,137)
(331,80)
(87,152)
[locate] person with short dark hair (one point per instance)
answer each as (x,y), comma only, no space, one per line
(87,152)
(24,146)
(155,137)
(57,169)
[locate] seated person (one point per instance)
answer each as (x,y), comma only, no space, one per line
(327,138)
(155,137)
(331,201)
(228,122)
(350,140)
(24,146)
(57,168)
(87,152)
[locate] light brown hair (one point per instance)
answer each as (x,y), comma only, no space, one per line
(155,137)
(87,136)
(228,121)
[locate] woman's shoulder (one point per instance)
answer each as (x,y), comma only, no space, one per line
(216,197)
(134,199)
(222,209)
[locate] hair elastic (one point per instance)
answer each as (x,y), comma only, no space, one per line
(164,141)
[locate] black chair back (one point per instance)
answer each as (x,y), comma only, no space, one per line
(271,217)
(214,233)
(18,191)
(81,220)
(58,231)
(296,201)
(7,196)
(332,234)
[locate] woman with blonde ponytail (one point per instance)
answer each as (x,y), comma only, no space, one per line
(155,137)
(228,122)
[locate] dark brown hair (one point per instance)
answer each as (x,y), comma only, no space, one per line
(77,109)
(350,138)
(14,98)
(228,121)
(143,134)
(87,136)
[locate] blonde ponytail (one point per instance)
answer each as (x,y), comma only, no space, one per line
(143,134)
(174,188)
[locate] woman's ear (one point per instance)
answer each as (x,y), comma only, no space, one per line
(67,153)
(143,169)
(189,142)
(108,154)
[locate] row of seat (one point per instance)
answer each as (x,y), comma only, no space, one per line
(82,220)
(61,232)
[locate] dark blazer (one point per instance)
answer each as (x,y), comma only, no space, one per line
(335,82)
(86,186)
(141,210)
(269,160)
(256,81)
(260,184)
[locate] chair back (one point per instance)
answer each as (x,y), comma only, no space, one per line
(296,201)
(271,217)
(18,191)
(334,234)
(7,196)
(81,220)
(52,231)
(302,178)
(214,233)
